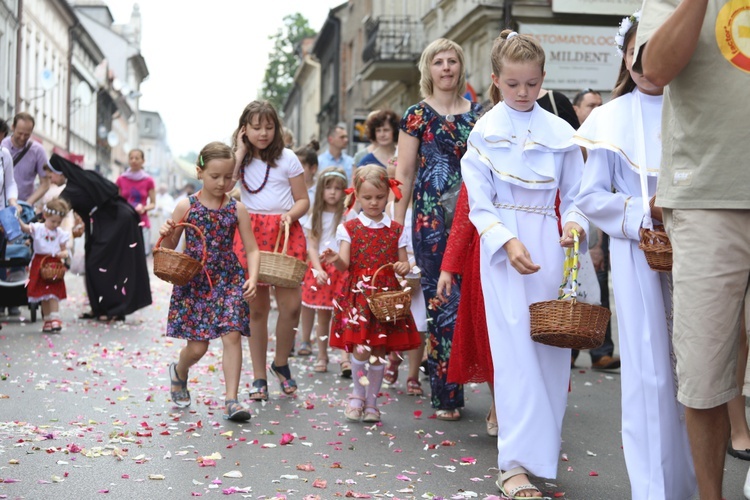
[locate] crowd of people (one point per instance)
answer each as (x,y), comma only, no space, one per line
(470,207)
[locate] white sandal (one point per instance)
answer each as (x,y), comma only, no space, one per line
(511,495)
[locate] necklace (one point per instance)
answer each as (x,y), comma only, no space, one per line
(262,185)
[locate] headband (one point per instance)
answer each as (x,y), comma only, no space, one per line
(53,169)
(625,25)
(52,211)
(337,174)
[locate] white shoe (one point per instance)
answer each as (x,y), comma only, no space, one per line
(746,490)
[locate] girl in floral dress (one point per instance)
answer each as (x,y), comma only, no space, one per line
(430,147)
(366,243)
(214,304)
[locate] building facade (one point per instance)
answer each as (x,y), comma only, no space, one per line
(9,25)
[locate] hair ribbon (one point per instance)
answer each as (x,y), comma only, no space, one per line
(394,184)
(352,194)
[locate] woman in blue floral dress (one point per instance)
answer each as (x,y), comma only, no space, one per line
(430,147)
(213,304)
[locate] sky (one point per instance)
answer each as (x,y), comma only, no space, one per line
(206,64)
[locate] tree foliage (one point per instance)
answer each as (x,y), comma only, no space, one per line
(283,60)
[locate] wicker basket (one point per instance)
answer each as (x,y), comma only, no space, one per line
(390,305)
(280,269)
(176,267)
(657,248)
(52,269)
(565,322)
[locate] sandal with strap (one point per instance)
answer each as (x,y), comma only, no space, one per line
(56,325)
(288,385)
(390,375)
(47,327)
(511,494)
(346,369)
(448,415)
(413,387)
(321,366)
(354,413)
(235,411)
(259,391)
(181,397)
(305,349)
(371,415)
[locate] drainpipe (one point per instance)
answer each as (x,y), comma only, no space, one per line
(507,14)
(19,52)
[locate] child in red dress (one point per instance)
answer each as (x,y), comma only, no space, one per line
(367,243)
(471,359)
(50,242)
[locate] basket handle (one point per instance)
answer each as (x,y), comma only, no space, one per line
(286,239)
(570,270)
(375,276)
(44,259)
(197,230)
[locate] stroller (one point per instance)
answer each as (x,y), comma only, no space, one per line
(15,257)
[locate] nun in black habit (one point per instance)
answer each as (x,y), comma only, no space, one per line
(117,279)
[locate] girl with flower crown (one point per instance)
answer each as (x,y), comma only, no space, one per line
(275,194)
(50,242)
(623,138)
(518,158)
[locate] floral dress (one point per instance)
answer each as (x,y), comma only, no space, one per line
(353,323)
(201,310)
(442,143)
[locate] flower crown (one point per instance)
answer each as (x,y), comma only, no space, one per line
(52,211)
(625,25)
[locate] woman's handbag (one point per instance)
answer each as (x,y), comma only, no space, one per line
(565,322)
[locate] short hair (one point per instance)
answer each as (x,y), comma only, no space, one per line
(580,95)
(379,119)
(213,151)
(57,205)
(23,115)
(428,54)
(333,128)
(4,128)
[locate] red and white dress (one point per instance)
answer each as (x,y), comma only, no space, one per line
(46,244)
(373,244)
(317,296)
(271,196)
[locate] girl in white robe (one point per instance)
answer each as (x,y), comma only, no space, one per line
(518,156)
(623,137)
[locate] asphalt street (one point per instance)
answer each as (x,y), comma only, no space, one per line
(86,414)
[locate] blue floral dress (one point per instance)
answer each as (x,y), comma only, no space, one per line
(442,143)
(197,311)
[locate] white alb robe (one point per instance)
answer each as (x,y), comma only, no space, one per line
(655,443)
(522,172)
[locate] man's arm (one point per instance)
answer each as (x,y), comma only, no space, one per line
(672,45)
(40,191)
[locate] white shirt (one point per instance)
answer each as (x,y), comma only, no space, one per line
(328,235)
(343,235)
(8,187)
(47,242)
(276,195)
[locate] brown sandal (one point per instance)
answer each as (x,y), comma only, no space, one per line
(413,387)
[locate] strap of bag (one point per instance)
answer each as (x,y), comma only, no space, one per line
(552,102)
(19,156)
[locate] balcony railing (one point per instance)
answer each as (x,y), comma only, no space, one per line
(393,38)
